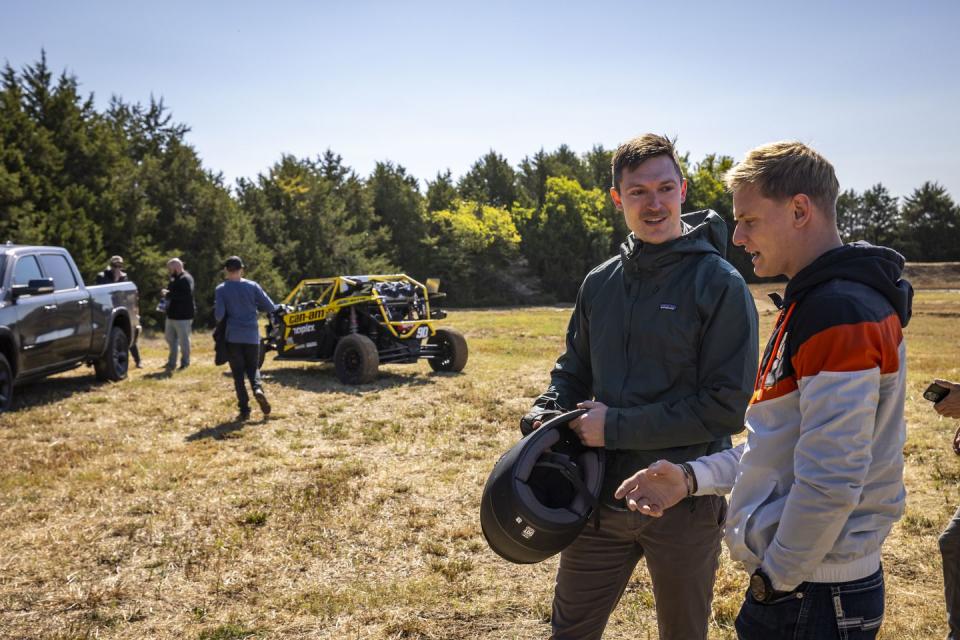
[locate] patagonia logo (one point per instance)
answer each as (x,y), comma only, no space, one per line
(668,307)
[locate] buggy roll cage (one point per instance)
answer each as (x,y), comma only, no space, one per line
(340,292)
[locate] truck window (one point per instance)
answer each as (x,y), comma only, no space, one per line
(26,270)
(57,267)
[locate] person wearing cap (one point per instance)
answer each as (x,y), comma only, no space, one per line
(180,309)
(115,273)
(238,300)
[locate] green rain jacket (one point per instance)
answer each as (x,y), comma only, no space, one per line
(665,336)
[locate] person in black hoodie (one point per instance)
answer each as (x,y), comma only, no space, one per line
(662,349)
(180,309)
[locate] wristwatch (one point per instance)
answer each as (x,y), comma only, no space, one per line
(762,589)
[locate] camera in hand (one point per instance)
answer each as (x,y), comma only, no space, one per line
(935,393)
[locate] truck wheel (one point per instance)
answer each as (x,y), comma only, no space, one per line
(6,384)
(453,350)
(356,359)
(116,359)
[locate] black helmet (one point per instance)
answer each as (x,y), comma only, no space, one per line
(541,493)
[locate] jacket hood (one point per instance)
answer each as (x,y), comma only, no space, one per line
(877,267)
(702,232)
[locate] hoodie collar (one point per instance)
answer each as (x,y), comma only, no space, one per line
(701,232)
(877,267)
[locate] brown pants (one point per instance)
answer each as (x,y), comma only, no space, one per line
(682,550)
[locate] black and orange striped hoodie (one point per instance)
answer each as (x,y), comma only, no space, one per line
(819,482)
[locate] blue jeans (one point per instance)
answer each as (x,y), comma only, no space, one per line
(817,611)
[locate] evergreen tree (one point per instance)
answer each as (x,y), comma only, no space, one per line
(706,190)
(599,166)
(880,216)
(566,237)
(441,193)
(474,248)
(850,221)
(314,217)
(398,204)
(563,162)
(532,180)
(491,180)
(932,222)
(53,142)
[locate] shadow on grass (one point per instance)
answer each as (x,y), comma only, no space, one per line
(163,374)
(321,379)
(222,430)
(52,390)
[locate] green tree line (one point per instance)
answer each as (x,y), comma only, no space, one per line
(123,180)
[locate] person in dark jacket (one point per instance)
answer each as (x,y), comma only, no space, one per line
(238,300)
(115,273)
(662,349)
(180,309)
(949,407)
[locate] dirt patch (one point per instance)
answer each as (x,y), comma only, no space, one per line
(933,275)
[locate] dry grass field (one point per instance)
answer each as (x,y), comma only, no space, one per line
(140,510)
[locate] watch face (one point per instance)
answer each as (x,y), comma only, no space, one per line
(757,588)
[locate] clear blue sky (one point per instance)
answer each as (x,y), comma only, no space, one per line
(875,86)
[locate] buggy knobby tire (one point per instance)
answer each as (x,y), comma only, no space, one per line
(114,363)
(453,350)
(6,384)
(356,359)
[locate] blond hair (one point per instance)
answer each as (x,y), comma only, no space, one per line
(784,169)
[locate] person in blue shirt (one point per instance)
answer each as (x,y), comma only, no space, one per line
(239,300)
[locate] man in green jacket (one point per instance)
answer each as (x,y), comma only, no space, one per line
(662,349)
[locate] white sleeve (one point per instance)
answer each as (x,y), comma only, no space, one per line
(717,472)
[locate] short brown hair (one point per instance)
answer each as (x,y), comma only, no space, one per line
(783,169)
(632,153)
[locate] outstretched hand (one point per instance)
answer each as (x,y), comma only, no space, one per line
(655,489)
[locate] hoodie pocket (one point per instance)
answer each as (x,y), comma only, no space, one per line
(746,512)
(762,526)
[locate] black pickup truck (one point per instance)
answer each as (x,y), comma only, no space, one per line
(51,322)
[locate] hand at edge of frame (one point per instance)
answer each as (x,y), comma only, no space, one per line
(949,407)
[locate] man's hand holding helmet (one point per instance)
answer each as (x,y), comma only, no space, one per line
(589,426)
(535,417)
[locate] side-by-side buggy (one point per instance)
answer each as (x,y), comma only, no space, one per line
(359,322)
